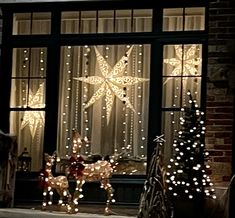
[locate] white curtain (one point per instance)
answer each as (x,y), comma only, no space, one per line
(127,130)
(27,90)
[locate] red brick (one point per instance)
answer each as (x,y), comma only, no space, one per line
(209,134)
(222,159)
(214,128)
(214,104)
(210,98)
(226,178)
(228,153)
(224,110)
(228,141)
(223,147)
(219,116)
(223,134)
(216,153)
(219,122)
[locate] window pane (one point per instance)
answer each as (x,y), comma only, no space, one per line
(88,22)
(110,107)
(184,19)
(70,22)
(29,128)
(105,21)
(27,93)
(194,19)
(123,21)
(170,127)
(181,72)
(173,19)
(28,75)
(38,58)
(31,23)
(142,20)
(29,62)
(21,23)
(41,23)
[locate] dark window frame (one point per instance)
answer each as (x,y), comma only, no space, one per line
(157,38)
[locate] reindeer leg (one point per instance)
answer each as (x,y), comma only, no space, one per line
(50,191)
(61,199)
(108,188)
(76,196)
(44,202)
(69,199)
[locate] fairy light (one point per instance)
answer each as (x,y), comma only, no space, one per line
(187,147)
(68,75)
(132,100)
(99,171)
(85,125)
(140,101)
(59,183)
(24,71)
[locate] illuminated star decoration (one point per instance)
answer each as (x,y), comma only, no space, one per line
(34,118)
(185,63)
(111,83)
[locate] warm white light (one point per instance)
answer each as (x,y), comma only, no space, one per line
(111,83)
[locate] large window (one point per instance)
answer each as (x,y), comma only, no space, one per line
(182,72)
(112,71)
(28,85)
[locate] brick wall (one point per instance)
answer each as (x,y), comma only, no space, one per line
(219,119)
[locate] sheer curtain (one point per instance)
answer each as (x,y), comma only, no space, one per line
(125,130)
(28,87)
(28,92)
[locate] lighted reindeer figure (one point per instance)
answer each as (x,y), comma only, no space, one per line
(101,171)
(58,183)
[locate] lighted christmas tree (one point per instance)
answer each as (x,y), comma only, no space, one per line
(187,171)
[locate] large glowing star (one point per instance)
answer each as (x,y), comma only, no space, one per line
(185,63)
(111,82)
(34,119)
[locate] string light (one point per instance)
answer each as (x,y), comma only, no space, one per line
(51,184)
(101,171)
(187,152)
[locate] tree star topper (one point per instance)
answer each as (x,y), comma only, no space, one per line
(34,118)
(111,83)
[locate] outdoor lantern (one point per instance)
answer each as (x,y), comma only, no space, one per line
(24,161)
